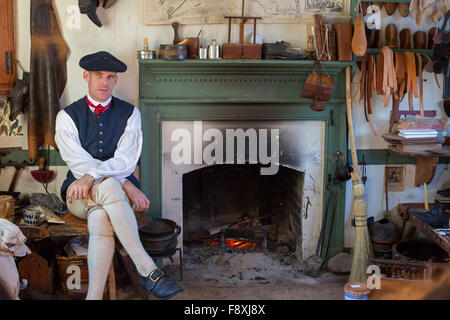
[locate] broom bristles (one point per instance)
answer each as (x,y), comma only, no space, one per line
(362,246)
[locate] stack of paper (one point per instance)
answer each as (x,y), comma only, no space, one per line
(418,133)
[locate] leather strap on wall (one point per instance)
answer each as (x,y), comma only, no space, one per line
(380,69)
(369,87)
(362,81)
(400,73)
(419,67)
(411,86)
(389,77)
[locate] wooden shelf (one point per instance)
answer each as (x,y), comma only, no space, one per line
(428,52)
(445,152)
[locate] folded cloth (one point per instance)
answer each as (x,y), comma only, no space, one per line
(12,240)
(51,201)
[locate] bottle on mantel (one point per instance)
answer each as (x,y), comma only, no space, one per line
(146,44)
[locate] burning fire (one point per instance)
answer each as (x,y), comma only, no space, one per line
(235,243)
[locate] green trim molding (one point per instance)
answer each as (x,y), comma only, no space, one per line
(370,157)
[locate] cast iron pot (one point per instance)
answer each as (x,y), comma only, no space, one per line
(418,250)
(159,236)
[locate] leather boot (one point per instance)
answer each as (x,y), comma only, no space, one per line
(403,9)
(89,7)
(405,39)
(391,36)
(420,40)
(390,7)
(431,33)
(280,50)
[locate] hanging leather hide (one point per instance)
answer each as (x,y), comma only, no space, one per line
(48,75)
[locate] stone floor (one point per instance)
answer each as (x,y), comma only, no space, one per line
(229,274)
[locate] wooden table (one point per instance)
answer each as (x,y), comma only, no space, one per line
(73,227)
(430,232)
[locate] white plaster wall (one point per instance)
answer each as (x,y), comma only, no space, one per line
(123,33)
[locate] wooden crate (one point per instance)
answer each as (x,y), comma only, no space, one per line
(241,51)
(81,261)
(64,271)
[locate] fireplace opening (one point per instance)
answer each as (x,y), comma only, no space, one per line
(234,206)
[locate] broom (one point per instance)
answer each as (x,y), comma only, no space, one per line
(361,248)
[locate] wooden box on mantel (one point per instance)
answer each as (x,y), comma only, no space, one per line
(241,51)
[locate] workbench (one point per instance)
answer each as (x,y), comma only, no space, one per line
(430,232)
(73,227)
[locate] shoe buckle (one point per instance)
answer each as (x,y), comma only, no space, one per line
(158,277)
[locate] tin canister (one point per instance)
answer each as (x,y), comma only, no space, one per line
(203,53)
(146,54)
(213,52)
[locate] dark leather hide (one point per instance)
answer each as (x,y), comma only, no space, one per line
(48,75)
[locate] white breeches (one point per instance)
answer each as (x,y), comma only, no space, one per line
(108,214)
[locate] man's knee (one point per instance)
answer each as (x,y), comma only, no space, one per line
(99,224)
(110,191)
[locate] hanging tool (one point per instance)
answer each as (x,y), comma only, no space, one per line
(315,262)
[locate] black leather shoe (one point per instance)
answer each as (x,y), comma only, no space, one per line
(435,217)
(159,284)
(445,192)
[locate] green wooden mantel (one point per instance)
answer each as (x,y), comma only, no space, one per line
(235,90)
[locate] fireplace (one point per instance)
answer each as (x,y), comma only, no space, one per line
(190,188)
(235,206)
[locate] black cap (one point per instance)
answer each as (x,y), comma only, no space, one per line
(102,61)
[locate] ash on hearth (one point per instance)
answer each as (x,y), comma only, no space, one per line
(224,265)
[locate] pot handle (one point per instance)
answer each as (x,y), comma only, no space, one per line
(177,229)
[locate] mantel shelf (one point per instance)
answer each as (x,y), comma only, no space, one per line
(234,81)
(407,1)
(289,66)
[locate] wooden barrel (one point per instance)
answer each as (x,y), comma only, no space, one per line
(7,207)
(172,52)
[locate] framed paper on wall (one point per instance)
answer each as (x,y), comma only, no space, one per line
(163,12)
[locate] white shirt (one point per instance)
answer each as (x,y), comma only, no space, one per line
(80,162)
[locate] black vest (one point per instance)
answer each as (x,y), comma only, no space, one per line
(99,133)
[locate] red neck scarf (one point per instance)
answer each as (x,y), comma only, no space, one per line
(98,108)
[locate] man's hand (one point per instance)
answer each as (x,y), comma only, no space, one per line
(80,188)
(136,196)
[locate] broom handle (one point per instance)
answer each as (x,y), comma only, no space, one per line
(351,132)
